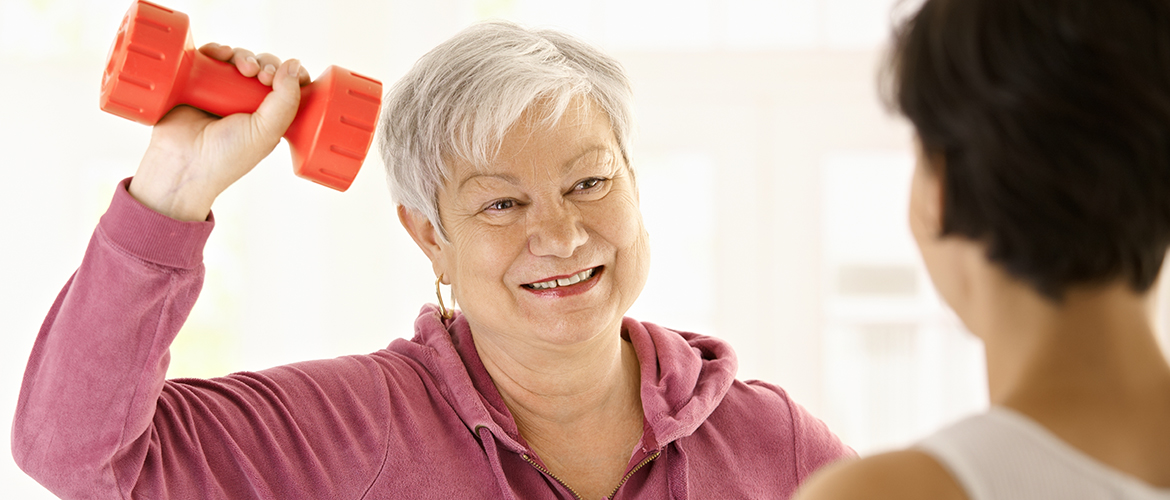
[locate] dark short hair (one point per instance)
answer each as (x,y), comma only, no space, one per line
(1053,117)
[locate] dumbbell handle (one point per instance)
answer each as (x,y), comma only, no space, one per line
(218,88)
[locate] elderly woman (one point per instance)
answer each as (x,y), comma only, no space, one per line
(508,152)
(1041,205)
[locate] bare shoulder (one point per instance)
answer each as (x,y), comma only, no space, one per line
(907,474)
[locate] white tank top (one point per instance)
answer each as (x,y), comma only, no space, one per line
(1003,455)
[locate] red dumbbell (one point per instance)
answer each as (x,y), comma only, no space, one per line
(153,67)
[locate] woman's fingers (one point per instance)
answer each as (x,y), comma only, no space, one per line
(268,65)
(245,62)
(303,75)
(217,51)
(261,66)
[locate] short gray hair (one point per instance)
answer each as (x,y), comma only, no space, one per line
(460,99)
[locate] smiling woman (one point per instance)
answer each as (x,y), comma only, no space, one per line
(545,251)
(507,150)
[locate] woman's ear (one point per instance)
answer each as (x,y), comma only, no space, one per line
(426,236)
(927,194)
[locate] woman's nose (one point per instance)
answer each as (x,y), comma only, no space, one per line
(555,230)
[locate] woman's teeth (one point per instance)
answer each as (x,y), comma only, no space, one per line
(571,280)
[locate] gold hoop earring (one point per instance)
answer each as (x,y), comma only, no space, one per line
(443,311)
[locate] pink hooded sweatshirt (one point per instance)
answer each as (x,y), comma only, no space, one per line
(421,419)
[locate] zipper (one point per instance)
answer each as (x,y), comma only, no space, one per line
(634,470)
(550,474)
(615,489)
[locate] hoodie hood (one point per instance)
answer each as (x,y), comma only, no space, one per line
(684,377)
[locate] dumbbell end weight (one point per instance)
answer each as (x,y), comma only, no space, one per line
(334,127)
(149,56)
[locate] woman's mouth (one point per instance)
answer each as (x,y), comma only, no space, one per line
(585,275)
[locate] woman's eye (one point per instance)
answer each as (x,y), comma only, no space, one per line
(501,205)
(588,184)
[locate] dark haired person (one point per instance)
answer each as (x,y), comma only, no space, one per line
(1041,206)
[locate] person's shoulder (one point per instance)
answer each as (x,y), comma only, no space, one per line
(906,474)
(757,400)
(767,409)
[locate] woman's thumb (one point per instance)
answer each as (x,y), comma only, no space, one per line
(279,108)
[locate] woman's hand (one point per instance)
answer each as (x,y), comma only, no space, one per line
(194,156)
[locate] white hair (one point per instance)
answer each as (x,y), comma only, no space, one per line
(459,100)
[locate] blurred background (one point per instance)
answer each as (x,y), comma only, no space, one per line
(774,186)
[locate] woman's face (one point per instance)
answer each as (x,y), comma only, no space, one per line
(546,244)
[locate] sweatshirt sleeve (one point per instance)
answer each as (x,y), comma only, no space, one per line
(97,419)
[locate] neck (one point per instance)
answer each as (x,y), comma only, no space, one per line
(1097,345)
(551,389)
(579,407)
